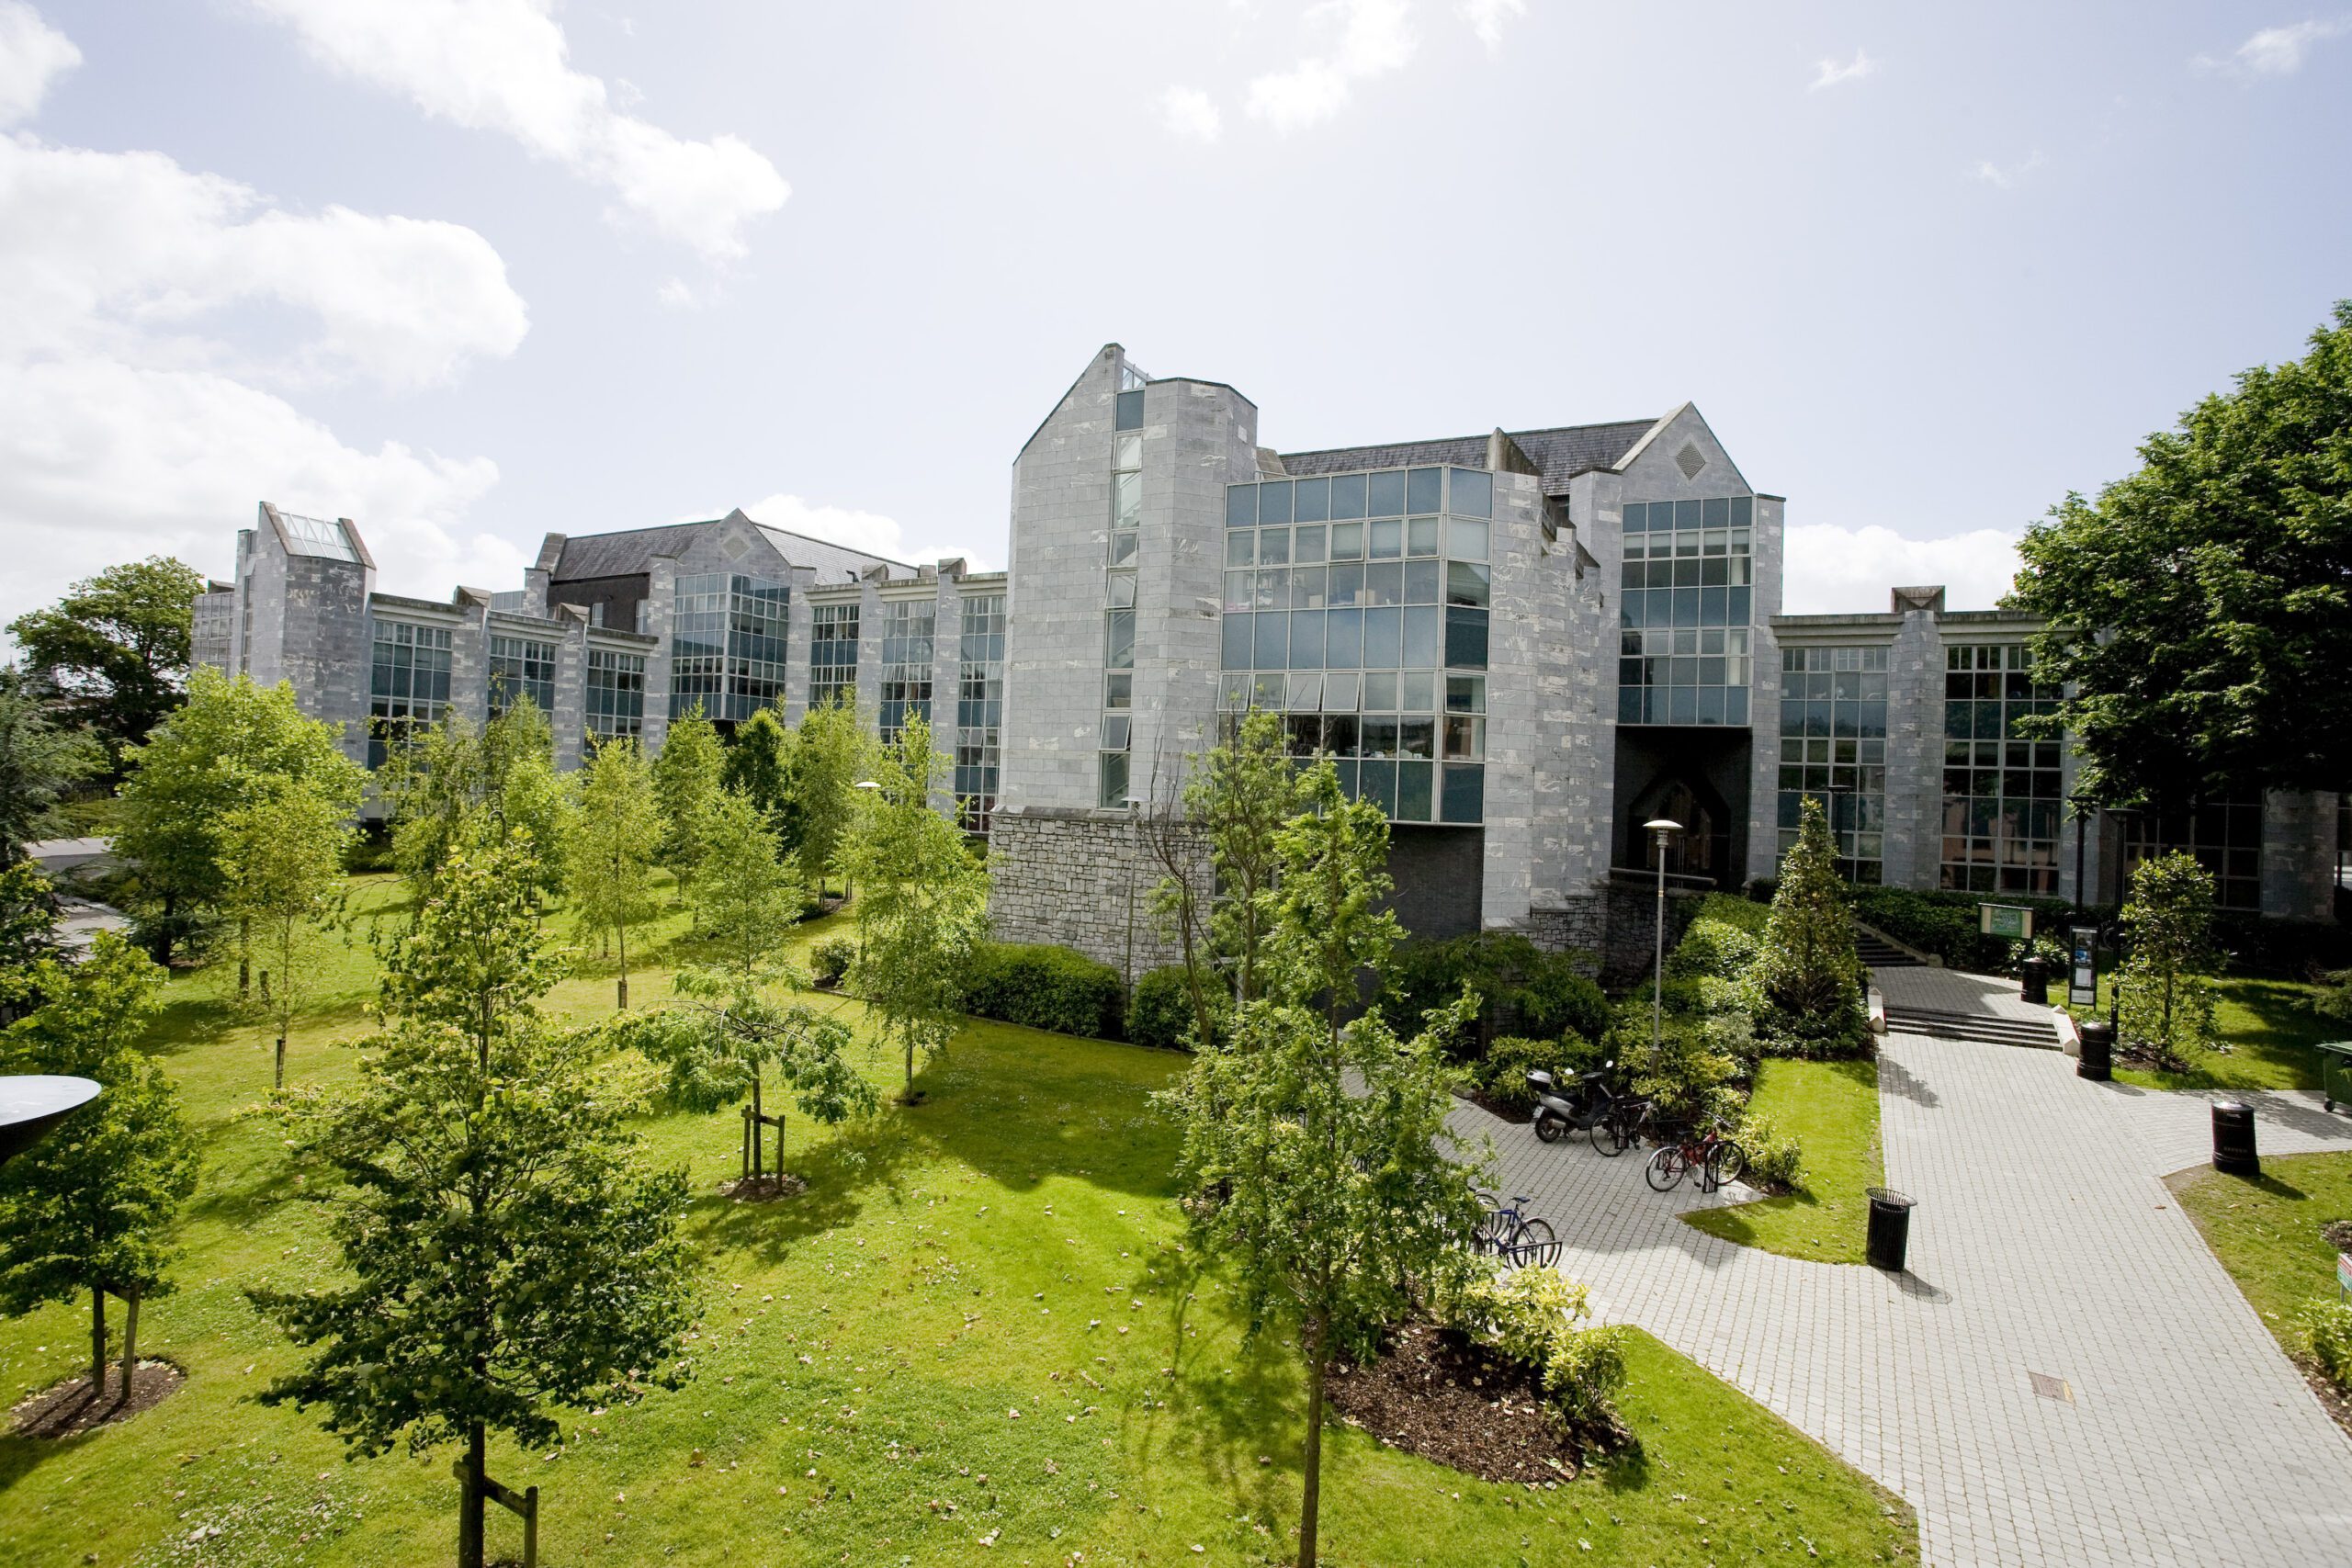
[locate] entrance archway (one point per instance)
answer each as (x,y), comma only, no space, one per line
(1703,847)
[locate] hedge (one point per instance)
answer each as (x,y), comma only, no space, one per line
(1521,988)
(1042,986)
(1160,1013)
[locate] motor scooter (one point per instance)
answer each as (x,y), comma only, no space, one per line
(1557,1115)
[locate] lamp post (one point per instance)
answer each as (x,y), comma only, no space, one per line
(1659,826)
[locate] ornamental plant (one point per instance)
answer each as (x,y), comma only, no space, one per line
(1807,976)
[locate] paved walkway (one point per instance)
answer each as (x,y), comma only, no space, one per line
(1951,990)
(2044,1243)
(84,918)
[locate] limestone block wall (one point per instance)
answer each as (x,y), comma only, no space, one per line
(1082,879)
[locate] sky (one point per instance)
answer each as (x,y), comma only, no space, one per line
(467,271)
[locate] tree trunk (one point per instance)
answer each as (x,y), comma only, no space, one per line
(281,1059)
(471,1500)
(1311,1499)
(97,1339)
(759,1154)
(624,931)
(244,954)
(163,930)
(130,1339)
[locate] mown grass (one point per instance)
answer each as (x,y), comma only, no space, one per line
(2266,1229)
(1010,1245)
(1831,1108)
(2269,1027)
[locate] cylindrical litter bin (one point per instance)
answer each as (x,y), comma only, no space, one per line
(1890,1235)
(2036,988)
(2234,1150)
(2097,1059)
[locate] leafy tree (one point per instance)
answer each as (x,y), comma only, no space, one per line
(2200,609)
(457,783)
(1808,976)
(90,1207)
(686,782)
(1235,805)
(230,739)
(1333,878)
(2166,1003)
(116,647)
(924,907)
(760,766)
(281,857)
(748,900)
(504,1249)
(29,914)
(40,761)
(614,838)
(831,758)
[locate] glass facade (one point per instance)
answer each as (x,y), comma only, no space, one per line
(616,693)
(979,709)
(2002,805)
(907,629)
(1115,745)
(832,655)
(408,683)
(1833,745)
(1356,605)
(727,640)
(1683,612)
(521,667)
(2226,839)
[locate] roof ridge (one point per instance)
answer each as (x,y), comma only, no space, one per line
(1439,440)
(829,544)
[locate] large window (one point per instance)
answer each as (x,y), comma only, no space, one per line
(2225,837)
(832,655)
(408,683)
(1684,610)
(616,693)
(979,709)
(1113,761)
(727,640)
(521,667)
(1356,605)
(1833,747)
(907,629)
(2001,788)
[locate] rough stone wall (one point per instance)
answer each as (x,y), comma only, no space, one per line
(1082,879)
(1614,925)
(1914,755)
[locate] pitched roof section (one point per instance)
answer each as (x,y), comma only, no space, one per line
(631,552)
(1562,452)
(834,563)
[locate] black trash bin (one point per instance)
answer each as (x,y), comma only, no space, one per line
(2037,981)
(2098,1060)
(1890,1235)
(2234,1150)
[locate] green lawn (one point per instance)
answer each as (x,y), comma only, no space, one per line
(1831,1108)
(2266,1231)
(1008,1246)
(2269,1027)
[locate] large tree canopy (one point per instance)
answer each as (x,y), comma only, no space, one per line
(2199,608)
(117,646)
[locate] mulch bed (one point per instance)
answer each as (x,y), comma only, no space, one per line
(1519,1115)
(67,1410)
(762,1188)
(1435,1393)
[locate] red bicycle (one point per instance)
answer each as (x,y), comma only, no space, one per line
(1709,1151)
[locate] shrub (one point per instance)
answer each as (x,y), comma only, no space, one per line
(1945,924)
(1042,986)
(1502,1073)
(831,957)
(1160,1013)
(1535,1316)
(1521,988)
(1721,942)
(1690,1073)
(2325,1327)
(1807,979)
(1774,1160)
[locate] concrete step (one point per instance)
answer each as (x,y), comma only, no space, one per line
(1983,1028)
(1880,954)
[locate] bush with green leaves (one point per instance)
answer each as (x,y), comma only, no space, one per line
(1160,1014)
(1519,988)
(1502,1074)
(2325,1330)
(1808,979)
(1721,941)
(1774,1159)
(1537,1317)
(1043,987)
(829,958)
(1692,1073)
(2166,1001)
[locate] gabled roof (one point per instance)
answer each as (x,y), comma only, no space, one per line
(630,551)
(1562,452)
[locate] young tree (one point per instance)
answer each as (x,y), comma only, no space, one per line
(29,913)
(2166,1003)
(504,1248)
(831,758)
(924,907)
(116,647)
(747,901)
(1332,879)
(230,739)
(2198,610)
(89,1207)
(760,767)
(686,783)
(457,783)
(39,760)
(1807,975)
(281,857)
(613,844)
(1234,804)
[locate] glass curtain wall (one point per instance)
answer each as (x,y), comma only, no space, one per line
(521,667)
(1356,605)
(908,628)
(408,683)
(832,655)
(2002,805)
(727,640)
(979,709)
(2224,837)
(1833,745)
(616,695)
(1114,783)
(1683,611)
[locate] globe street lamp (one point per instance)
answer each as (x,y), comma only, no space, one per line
(1659,826)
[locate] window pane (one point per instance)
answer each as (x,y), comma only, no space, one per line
(1466,639)
(1314,499)
(1130,417)
(1274,501)
(1273,651)
(1114,790)
(1309,548)
(1241,547)
(1425,490)
(1343,639)
(1384,496)
(1465,541)
(1347,541)
(1347,496)
(1474,494)
(1423,630)
(1122,640)
(1240,505)
(1467,583)
(1383,638)
(1465,792)
(1388,540)
(1306,640)
(1420,539)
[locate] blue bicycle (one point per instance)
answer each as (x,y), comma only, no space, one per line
(1510,1233)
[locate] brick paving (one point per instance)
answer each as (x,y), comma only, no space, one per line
(2043,1243)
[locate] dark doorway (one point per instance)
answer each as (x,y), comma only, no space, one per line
(1703,847)
(1694,775)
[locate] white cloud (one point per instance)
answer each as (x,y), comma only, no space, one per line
(867,531)
(2278,51)
(501,65)
(1487,18)
(1829,72)
(33,55)
(1189,113)
(1832,570)
(2001,178)
(1374,37)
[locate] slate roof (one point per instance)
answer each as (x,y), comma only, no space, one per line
(631,552)
(1562,452)
(834,563)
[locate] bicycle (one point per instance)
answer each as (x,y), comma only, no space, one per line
(1510,1235)
(1713,1154)
(1623,1126)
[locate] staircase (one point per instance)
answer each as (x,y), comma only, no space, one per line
(1984,1028)
(1880,954)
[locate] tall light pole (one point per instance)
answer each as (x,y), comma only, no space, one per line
(1659,828)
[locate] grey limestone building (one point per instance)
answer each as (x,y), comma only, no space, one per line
(1522,645)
